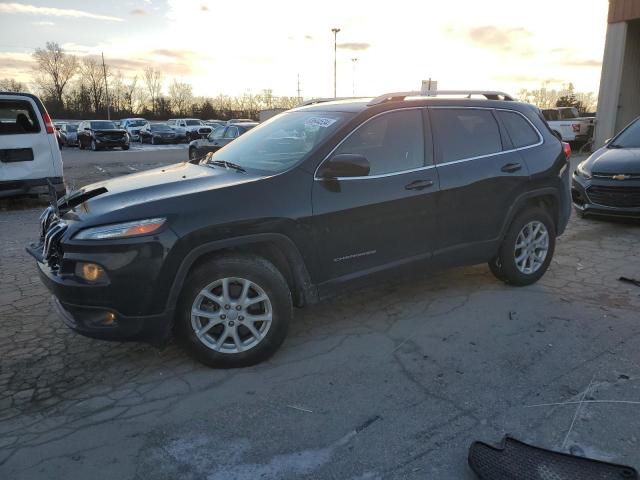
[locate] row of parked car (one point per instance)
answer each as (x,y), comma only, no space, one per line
(107,134)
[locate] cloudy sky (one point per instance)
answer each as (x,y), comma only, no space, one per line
(248,45)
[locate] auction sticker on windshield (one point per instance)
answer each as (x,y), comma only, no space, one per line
(319,122)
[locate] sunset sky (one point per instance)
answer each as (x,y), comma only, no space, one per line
(234,47)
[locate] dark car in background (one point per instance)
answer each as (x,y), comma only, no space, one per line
(101,134)
(157,133)
(608,182)
(217,139)
(220,251)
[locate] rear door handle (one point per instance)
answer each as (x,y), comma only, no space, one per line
(419,185)
(511,167)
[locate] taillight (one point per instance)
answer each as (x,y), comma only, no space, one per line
(576,127)
(48,124)
(567,149)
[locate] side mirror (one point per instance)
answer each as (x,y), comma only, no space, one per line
(345,165)
(607,140)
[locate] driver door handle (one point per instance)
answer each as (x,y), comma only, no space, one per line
(511,167)
(419,185)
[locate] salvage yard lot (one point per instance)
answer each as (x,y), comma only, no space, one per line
(391,381)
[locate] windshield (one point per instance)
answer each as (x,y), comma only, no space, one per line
(550,115)
(136,123)
(282,141)
(161,128)
(193,122)
(629,137)
(103,125)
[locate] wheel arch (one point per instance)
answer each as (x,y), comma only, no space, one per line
(276,248)
(547,198)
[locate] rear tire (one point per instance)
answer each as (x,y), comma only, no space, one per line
(218,345)
(125,147)
(527,248)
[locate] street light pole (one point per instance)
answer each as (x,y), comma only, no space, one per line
(353,80)
(335,59)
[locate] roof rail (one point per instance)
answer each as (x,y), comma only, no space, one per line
(314,101)
(399,96)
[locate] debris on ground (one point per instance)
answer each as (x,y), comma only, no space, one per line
(632,281)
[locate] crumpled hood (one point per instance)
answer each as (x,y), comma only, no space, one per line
(614,160)
(152,185)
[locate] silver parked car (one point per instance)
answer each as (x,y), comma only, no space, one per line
(69,132)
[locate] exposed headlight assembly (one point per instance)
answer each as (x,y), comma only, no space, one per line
(121,230)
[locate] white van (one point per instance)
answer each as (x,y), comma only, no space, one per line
(30,159)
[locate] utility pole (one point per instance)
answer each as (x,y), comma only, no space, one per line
(335,60)
(353,80)
(106,87)
(299,98)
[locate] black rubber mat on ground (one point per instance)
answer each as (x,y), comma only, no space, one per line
(515,460)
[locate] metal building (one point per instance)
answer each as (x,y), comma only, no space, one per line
(619,96)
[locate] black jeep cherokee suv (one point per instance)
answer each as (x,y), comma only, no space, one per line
(220,251)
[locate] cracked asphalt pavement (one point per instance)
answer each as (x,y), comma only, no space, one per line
(390,381)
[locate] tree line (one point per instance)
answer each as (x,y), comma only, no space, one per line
(567,96)
(74,87)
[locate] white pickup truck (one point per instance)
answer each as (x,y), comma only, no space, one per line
(189,128)
(567,123)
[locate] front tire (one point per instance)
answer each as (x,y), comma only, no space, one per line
(234,311)
(125,147)
(527,248)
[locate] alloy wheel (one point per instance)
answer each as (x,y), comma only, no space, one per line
(532,245)
(231,315)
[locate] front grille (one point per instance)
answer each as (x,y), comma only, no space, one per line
(51,244)
(45,221)
(609,176)
(111,136)
(622,197)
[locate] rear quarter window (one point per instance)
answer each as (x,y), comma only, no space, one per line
(465,133)
(18,117)
(520,131)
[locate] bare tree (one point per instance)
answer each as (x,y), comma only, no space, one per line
(11,85)
(117,92)
(153,82)
(134,97)
(53,70)
(92,76)
(181,97)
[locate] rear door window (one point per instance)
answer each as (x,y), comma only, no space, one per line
(17,117)
(465,133)
(520,130)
